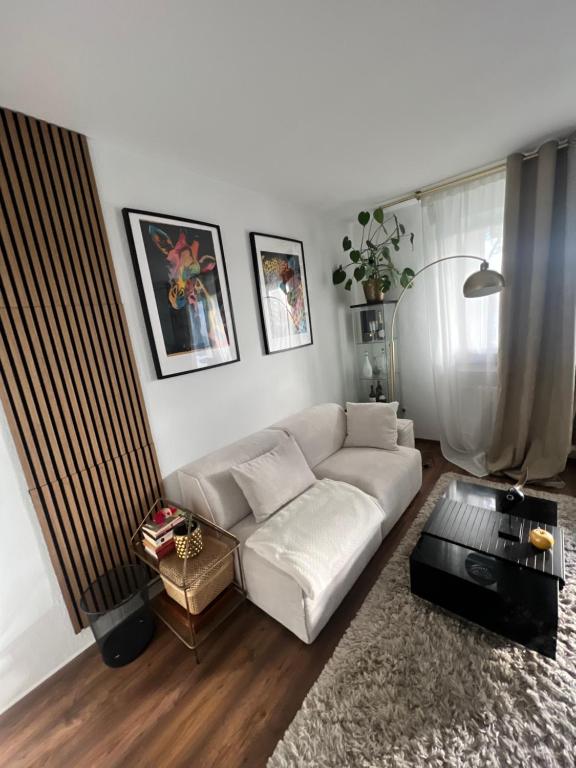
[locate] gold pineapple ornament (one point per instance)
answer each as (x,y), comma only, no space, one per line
(541,539)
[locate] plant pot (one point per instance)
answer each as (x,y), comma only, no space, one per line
(188,544)
(372,291)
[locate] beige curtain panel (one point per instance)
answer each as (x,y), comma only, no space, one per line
(533,427)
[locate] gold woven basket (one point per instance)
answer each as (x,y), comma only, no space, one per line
(207,575)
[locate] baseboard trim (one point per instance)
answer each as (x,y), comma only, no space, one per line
(89,643)
(155,586)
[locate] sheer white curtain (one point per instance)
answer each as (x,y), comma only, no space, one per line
(463,219)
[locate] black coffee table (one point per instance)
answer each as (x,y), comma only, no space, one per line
(473,558)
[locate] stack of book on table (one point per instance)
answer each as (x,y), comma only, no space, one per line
(158,537)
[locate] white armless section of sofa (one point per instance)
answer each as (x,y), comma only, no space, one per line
(392,477)
(207,486)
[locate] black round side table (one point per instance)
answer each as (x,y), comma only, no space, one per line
(117,607)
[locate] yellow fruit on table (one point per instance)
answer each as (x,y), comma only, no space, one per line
(541,539)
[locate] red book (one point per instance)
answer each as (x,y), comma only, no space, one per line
(159,552)
(156,543)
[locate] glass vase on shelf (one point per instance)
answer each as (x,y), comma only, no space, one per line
(366,367)
(381,362)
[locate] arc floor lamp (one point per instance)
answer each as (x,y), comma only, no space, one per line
(483,282)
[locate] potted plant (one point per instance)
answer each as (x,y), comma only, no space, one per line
(372,261)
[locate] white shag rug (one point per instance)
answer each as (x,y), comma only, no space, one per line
(410,686)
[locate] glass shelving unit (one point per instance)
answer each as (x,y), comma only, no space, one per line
(371,324)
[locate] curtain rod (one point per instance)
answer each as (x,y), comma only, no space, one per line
(479,173)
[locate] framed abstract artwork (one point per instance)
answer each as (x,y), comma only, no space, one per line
(183,286)
(282,291)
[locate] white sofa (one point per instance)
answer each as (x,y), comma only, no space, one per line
(392,477)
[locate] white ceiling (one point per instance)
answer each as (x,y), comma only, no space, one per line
(329,102)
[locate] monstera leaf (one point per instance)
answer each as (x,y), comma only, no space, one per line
(385,284)
(338,276)
(406,276)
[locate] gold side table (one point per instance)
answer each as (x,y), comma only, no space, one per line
(200,592)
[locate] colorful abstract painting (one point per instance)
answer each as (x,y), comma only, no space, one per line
(282,291)
(184,290)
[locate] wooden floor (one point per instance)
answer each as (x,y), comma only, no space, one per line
(164,710)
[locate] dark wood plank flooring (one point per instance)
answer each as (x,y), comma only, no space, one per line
(164,710)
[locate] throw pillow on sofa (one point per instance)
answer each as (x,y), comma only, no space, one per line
(372,425)
(272,480)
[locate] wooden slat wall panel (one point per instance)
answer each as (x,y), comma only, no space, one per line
(68,379)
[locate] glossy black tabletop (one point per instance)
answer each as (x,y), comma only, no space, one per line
(532,508)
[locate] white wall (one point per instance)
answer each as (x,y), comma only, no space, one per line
(193,414)
(36,636)
(189,415)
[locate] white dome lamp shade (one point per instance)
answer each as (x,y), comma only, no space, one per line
(484,282)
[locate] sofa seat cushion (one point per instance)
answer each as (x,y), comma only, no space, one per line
(316,535)
(281,597)
(392,477)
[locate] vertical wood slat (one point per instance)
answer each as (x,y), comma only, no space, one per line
(45,195)
(68,380)
(120,320)
(28,274)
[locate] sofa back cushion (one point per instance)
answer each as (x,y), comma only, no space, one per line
(272,480)
(207,485)
(372,425)
(319,431)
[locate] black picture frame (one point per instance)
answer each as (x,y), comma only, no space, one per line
(274,342)
(169,359)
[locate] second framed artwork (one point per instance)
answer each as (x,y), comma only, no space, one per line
(282,292)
